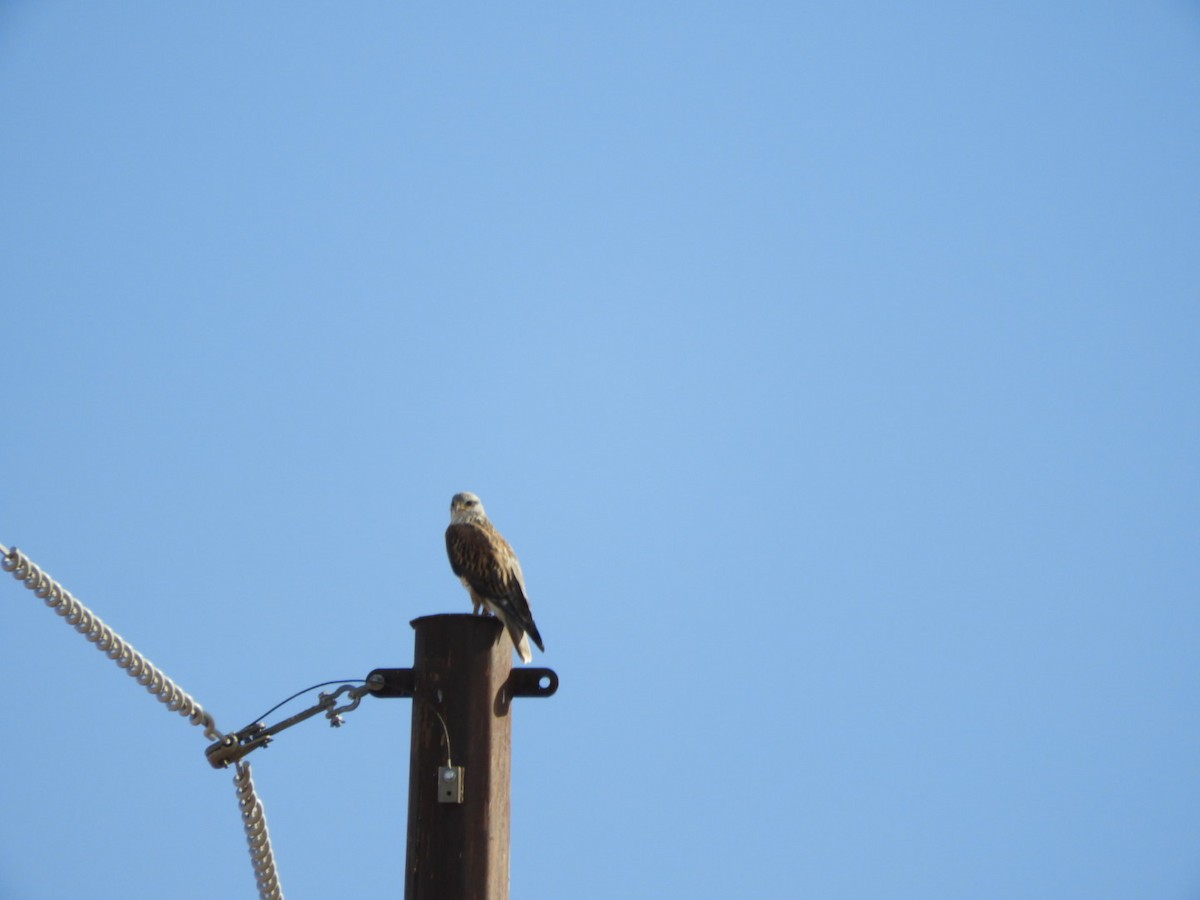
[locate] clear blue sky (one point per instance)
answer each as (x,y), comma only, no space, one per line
(832,367)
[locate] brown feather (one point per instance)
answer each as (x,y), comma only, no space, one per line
(485,561)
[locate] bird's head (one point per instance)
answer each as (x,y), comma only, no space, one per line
(466,507)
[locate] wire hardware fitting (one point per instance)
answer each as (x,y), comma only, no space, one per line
(234,746)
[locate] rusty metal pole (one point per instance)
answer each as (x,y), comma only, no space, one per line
(461,694)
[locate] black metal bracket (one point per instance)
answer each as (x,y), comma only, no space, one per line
(393,682)
(532,683)
(521,683)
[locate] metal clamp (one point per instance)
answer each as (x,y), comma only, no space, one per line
(240,743)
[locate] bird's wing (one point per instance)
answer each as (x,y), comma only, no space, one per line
(486,560)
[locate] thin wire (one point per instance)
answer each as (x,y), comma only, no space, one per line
(305,691)
(445,728)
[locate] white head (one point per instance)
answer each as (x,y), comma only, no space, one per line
(466,507)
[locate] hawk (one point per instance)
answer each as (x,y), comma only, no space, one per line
(486,565)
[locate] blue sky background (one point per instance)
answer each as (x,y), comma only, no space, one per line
(832,367)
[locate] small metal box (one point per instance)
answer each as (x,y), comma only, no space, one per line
(450,784)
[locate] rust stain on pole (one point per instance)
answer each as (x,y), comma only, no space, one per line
(461,668)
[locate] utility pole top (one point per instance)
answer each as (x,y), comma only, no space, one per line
(462,683)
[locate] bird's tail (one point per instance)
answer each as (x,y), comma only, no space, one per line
(533,633)
(521,641)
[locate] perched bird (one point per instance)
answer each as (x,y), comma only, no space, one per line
(485,563)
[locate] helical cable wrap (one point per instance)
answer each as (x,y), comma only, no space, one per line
(107,641)
(254,821)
